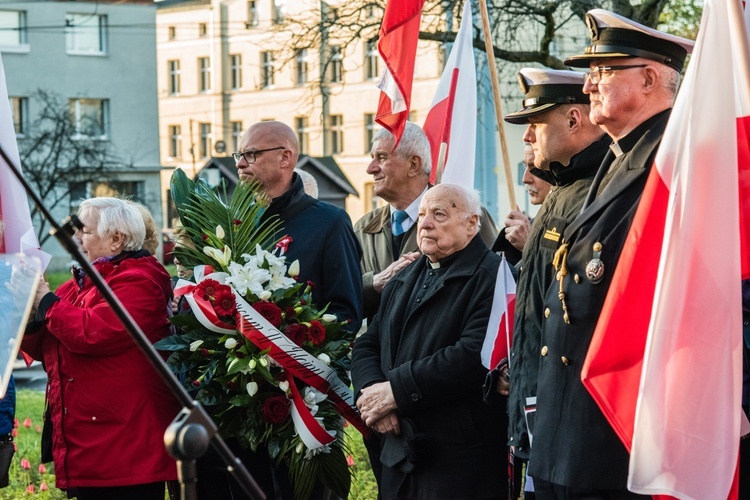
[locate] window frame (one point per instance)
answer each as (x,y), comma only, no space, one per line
(73,48)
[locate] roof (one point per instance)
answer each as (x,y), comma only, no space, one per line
(325,166)
(328,167)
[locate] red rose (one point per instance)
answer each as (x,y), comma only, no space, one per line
(236,222)
(289,312)
(207,288)
(224,303)
(296,332)
(270,311)
(276,410)
(316,333)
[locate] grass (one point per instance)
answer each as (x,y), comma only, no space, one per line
(29,410)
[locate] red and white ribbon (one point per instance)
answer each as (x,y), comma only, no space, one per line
(298,362)
(312,433)
(201,307)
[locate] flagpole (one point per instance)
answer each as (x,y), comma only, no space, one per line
(498,104)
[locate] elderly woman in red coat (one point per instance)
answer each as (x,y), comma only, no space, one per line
(108,406)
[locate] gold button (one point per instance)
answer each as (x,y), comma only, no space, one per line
(577,278)
(93,418)
(597,247)
(546,313)
(565,361)
(544,350)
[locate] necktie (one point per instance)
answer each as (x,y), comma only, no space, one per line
(399,216)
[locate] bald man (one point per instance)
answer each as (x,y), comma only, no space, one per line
(417,372)
(320,235)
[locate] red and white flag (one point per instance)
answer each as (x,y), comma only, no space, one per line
(497,340)
(14,211)
(452,117)
(665,364)
(397,45)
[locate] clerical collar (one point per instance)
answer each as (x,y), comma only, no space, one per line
(629,141)
(434,265)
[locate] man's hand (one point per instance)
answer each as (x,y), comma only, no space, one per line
(503,381)
(379,280)
(387,424)
(376,402)
(517,227)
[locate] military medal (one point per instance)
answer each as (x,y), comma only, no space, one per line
(595,267)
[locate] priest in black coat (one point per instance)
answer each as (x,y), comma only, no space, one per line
(417,371)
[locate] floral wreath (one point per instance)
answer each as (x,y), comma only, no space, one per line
(271,367)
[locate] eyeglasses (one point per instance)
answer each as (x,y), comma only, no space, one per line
(251,156)
(595,74)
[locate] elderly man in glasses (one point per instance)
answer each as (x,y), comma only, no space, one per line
(632,80)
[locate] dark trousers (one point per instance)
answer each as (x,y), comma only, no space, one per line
(150,491)
(545,490)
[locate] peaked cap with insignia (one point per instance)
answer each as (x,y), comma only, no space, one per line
(545,89)
(616,37)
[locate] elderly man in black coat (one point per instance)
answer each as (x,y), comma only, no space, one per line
(417,372)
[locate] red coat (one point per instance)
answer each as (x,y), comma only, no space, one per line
(109,406)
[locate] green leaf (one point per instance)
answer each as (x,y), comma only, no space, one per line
(171,343)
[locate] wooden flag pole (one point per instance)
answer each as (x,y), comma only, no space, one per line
(498,103)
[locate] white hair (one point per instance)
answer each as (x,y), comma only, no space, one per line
(309,182)
(413,143)
(117,215)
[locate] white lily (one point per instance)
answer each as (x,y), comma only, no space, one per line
(329,318)
(252,388)
(223,257)
(230,343)
(220,232)
(247,277)
(284,385)
(325,358)
(252,364)
(195,345)
(265,295)
(294,269)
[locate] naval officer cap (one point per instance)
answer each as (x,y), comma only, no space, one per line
(616,37)
(545,89)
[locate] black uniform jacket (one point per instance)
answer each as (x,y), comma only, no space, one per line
(535,274)
(573,443)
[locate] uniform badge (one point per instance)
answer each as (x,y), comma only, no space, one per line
(595,267)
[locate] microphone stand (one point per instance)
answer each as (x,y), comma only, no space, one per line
(188,436)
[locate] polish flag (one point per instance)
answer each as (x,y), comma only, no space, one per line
(665,364)
(497,340)
(14,205)
(450,120)
(397,45)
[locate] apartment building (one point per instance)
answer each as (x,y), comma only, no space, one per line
(100,59)
(226,64)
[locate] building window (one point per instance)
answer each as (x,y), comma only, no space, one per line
(266,68)
(129,189)
(300,62)
(236,135)
(279,11)
(372,61)
(12,28)
(335,134)
(303,134)
(174,76)
(202,29)
(369,131)
(235,71)
(252,14)
(206,140)
(175,141)
(336,65)
(204,74)
(19,109)
(90,117)
(172,32)
(86,33)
